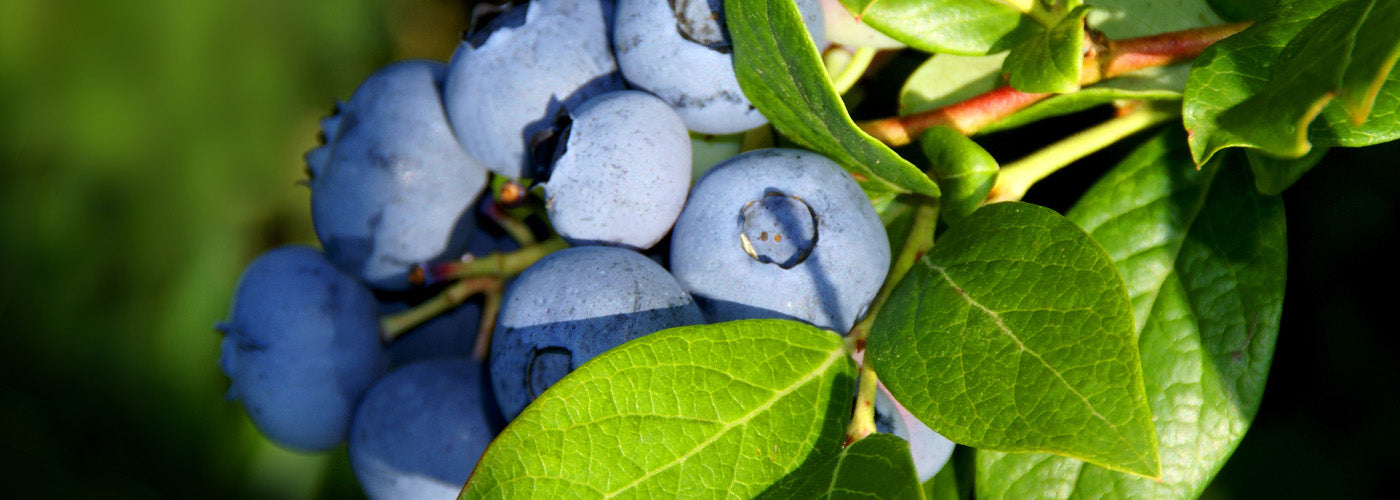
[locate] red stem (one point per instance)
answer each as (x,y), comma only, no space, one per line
(1109,59)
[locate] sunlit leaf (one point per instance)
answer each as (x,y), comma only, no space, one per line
(1015,333)
(708,411)
(1203,255)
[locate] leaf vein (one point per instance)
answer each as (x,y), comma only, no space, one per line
(777,395)
(1001,325)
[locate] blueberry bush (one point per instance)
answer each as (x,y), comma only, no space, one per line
(836,307)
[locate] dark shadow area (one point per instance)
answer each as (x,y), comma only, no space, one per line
(1327,420)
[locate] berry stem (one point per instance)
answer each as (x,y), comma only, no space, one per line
(496,264)
(863,417)
(512,226)
(485,275)
(487,325)
(916,243)
(393,325)
(1108,59)
(1014,179)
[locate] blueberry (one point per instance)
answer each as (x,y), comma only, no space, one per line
(623,174)
(301,346)
(930,449)
(575,304)
(506,83)
(392,188)
(680,51)
(420,430)
(780,233)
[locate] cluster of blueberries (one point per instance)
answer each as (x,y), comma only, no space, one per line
(597,104)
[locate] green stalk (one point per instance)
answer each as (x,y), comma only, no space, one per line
(394,325)
(1014,179)
(851,72)
(481,275)
(916,243)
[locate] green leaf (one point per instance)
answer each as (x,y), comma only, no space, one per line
(967,27)
(877,467)
(964,170)
(1264,87)
(1272,175)
(1306,76)
(781,73)
(1050,61)
(707,411)
(1015,333)
(1373,57)
(1204,257)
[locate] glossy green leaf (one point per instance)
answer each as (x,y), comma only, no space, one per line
(877,467)
(707,411)
(965,172)
(1015,333)
(781,73)
(1204,257)
(1373,57)
(1266,86)
(1306,76)
(967,27)
(1272,175)
(1050,61)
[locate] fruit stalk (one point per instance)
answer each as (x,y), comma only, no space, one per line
(1110,58)
(480,275)
(394,325)
(916,243)
(495,264)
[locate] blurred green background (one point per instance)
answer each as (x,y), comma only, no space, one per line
(151,148)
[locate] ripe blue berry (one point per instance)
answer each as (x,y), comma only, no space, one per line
(392,188)
(680,51)
(506,84)
(575,304)
(301,346)
(623,174)
(780,233)
(420,430)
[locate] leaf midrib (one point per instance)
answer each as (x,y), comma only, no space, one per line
(1001,325)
